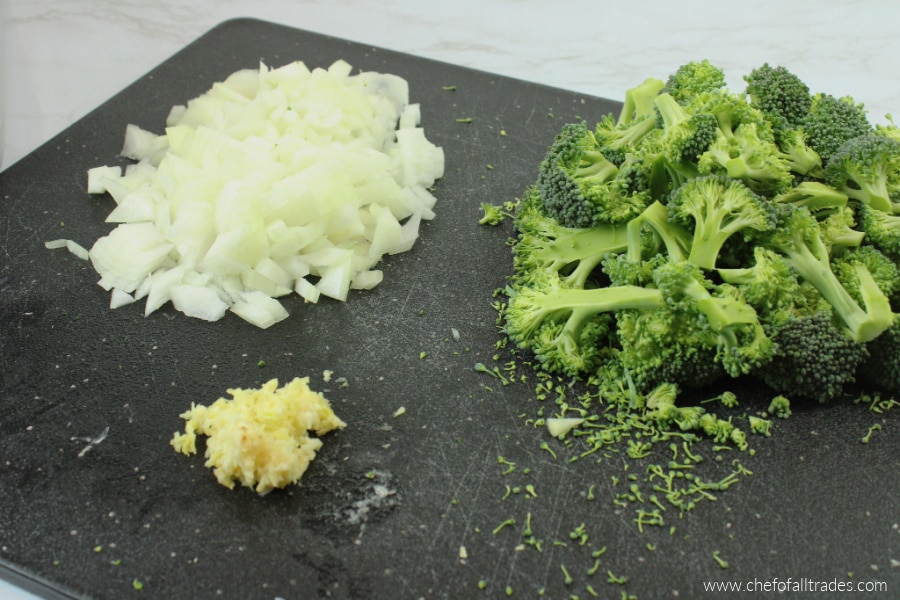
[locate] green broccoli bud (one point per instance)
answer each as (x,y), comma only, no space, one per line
(862,168)
(716,208)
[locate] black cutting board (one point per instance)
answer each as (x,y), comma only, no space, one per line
(388,503)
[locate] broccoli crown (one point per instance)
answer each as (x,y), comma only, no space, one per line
(561,324)
(779,93)
(686,135)
(882,229)
(544,245)
(666,346)
(639,101)
(715,208)
(882,367)
(752,156)
(616,139)
(799,156)
(831,121)
(770,285)
(816,196)
(813,358)
(579,186)
(730,110)
(741,341)
(884,270)
(693,78)
(863,166)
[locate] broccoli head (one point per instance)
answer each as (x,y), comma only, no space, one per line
(883,269)
(882,229)
(882,367)
(686,135)
(563,326)
(572,253)
(715,208)
(579,186)
(831,121)
(693,78)
(779,93)
(813,358)
(863,168)
(751,155)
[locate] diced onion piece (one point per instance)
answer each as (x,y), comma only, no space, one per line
(560,426)
(129,253)
(97,177)
(307,290)
(198,301)
(70,245)
(119,298)
(366,280)
(259,309)
(141,144)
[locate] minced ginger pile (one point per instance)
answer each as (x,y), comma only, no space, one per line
(260,437)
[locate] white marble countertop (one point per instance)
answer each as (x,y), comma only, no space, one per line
(62,58)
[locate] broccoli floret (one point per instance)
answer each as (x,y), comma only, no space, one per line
(818,197)
(882,229)
(579,185)
(801,159)
(813,358)
(716,208)
(730,110)
(839,230)
(560,324)
(615,140)
(741,341)
(544,245)
(780,406)
(693,78)
(653,229)
(799,238)
(882,368)
(751,155)
(698,338)
(687,135)
(770,285)
(885,272)
(862,168)
(779,93)
(831,121)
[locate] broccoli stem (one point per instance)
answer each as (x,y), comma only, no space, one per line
(584,304)
(639,100)
(671,112)
(673,237)
(815,196)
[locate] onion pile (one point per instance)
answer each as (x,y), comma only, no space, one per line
(275,181)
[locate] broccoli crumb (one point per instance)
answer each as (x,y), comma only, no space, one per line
(866,438)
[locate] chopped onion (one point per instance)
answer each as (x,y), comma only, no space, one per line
(70,245)
(273,182)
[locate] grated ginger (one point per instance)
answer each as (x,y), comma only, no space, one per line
(260,437)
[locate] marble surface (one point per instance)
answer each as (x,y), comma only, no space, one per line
(62,58)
